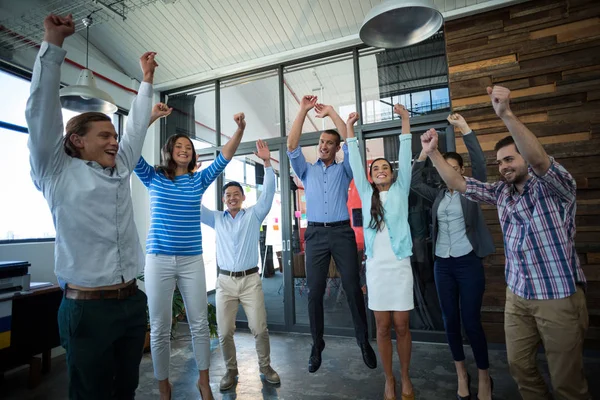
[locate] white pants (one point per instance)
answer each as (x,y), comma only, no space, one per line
(247,290)
(162,272)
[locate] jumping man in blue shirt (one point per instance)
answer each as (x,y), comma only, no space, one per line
(329,232)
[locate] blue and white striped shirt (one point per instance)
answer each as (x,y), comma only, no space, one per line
(175,207)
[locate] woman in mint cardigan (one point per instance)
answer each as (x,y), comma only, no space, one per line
(388,246)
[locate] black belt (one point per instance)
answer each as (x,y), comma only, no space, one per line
(329,224)
(237,274)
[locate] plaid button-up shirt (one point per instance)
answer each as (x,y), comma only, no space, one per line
(539,232)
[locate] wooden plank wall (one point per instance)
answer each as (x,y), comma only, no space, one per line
(548,53)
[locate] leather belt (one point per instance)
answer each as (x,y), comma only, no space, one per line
(238,274)
(329,224)
(118,294)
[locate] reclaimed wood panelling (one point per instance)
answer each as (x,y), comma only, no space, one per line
(548,53)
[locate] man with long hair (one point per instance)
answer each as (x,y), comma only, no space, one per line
(85,180)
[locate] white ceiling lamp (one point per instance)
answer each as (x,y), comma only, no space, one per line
(85,96)
(400,23)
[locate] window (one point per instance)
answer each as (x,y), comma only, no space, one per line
(24,213)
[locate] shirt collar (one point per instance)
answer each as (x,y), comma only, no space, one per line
(320,162)
(95,165)
(531,181)
(242,212)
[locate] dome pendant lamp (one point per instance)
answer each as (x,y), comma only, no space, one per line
(399,23)
(85,96)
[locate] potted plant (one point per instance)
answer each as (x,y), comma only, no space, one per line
(178,313)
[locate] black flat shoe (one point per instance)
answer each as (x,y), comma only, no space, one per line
(314,362)
(467,397)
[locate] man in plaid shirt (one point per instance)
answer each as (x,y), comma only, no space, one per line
(545,300)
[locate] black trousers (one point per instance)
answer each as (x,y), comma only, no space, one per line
(104,340)
(320,244)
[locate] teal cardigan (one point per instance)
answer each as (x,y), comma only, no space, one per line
(396,206)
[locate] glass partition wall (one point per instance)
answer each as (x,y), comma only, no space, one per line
(368,79)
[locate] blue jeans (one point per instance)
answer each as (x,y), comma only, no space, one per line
(460,283)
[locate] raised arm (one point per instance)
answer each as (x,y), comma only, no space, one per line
(265,201)
(527,143)
(43,112)
(233,143)
(358,168)
(476,155)
(160,110)
(207,216)
(453,179)
(324,110)
(306,104)
(417,185)
(405,150)
(130,148)
(145,172)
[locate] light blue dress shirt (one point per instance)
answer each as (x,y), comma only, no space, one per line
(326,188)
(452,240)
(96,239)
(396,205)
(237,238)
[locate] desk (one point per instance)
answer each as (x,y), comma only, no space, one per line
(34,331)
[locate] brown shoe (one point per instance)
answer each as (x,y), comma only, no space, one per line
(270,375)
(228,380)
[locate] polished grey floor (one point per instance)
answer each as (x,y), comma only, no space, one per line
(342,375)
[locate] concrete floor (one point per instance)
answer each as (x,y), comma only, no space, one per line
(342,375)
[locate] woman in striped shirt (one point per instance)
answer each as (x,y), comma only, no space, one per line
(174,247)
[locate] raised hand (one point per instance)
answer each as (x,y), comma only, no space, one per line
(262,150)
(458,121)
(308,102)
(352,118)
(323,110)
(160,110)
(58,28)
(401,111)
(500,97)
(429,141)
(148,65)
(240,120)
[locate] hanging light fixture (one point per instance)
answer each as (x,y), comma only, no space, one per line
(85,96)
(400,23)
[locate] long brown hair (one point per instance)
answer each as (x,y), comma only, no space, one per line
(377,211)
(168,166)
(80,125)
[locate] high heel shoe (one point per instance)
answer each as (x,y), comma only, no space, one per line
(491,389)
(467,397)
(389,398)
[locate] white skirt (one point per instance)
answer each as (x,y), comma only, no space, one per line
(389,280)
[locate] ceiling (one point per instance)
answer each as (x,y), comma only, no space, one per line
(198,39)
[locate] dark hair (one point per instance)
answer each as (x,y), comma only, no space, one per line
(335,133)
(505,141)
(232,184)
(377,211)
(168,166)
(454,156)
(80,125)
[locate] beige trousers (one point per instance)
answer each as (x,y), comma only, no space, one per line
(247,291)
(560,326)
